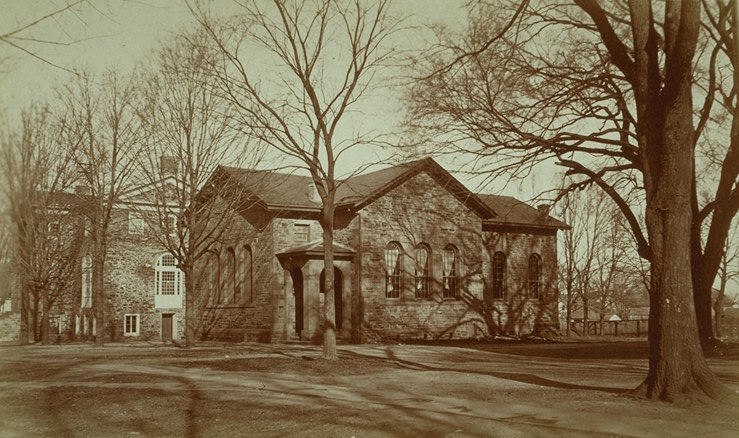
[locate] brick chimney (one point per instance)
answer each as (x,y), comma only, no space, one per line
(543,209)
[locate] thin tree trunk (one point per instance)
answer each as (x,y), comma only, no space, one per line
(329,319)
(100,296)
(45,318)
(190,311)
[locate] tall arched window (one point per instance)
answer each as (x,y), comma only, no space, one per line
(232,286)
(393,268)
(86,281)
(499,275)
(535,276)
(423,271)
(169,282)
(212,277)
(449,276)
(248,279)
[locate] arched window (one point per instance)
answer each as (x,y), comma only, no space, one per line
(248,279)
(169,279)
(393,268)
(423,271)
(535,276)
(86,282)
(212,277)
(449,276)
(499,275)
(232,286)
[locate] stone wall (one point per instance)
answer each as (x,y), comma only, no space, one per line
(517,313)
(130,279)
(250,314)
(420,211)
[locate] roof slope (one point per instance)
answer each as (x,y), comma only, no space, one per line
(288,191)
(276,189)
(511,211)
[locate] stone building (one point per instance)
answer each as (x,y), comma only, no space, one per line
(417,256)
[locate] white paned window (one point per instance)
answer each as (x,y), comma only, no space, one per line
(393,268)
(422,271)
(130,324)
(449,276)
(169,282)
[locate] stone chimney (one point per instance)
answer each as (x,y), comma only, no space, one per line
(543,209)
(168,165)
(82,190)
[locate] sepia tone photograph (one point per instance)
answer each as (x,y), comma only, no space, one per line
(369,218)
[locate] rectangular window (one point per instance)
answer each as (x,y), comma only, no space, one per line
(135,223)
(301,233)
(168,279)
(54,228)
(169,224)
(131,325)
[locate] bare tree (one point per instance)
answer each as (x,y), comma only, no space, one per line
(728,272)
(325,56)
(189,135)
(23,39)
(593,255)
(36,174)
(103,133)
(606,91)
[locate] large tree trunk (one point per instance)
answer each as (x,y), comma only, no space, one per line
(677,368)
(329,314)
(718,308)
(702,287)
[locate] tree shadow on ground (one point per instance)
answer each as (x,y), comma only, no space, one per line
(531,379)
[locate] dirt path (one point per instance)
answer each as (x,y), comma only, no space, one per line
(375,391)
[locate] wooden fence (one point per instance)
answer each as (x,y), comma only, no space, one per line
(628,327)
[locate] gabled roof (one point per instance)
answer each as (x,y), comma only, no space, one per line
(282,191)
(360,190)
(512,212)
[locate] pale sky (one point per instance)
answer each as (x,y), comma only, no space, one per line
(121,33)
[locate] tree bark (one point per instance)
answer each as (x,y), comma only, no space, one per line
(100,297)
(45,317)
(190,312)
(677,368)
(329,314)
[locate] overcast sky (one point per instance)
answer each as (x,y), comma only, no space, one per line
(121,33)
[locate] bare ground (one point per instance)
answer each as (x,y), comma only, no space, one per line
(468,389)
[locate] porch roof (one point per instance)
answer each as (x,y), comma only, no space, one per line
(315,249)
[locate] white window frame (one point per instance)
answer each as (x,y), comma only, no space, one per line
(301,226)
(126,317)
(169,300)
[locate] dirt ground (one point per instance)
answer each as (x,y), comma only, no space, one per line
(502,389)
